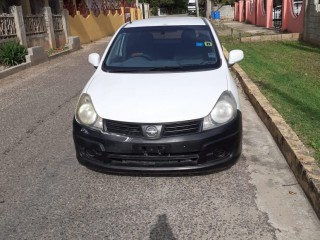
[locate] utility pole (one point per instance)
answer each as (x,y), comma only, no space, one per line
(197,8)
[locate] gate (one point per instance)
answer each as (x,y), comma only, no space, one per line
(277,14)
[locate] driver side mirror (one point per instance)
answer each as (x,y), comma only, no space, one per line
(234,57)
(94,59)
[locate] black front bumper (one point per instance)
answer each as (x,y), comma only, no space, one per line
(190,153)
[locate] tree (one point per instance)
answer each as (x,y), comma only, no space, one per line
(172,6)
(5,4)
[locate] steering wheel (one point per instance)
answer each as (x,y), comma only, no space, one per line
(135,55)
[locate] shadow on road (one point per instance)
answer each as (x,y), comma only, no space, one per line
(161,230)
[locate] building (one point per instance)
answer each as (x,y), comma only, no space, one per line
(293,16)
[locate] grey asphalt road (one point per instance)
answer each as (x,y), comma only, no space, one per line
(46,194)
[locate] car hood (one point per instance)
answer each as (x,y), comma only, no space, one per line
(156,97)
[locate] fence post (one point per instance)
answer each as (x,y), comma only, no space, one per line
(49,26)
(65,23)
(20,28)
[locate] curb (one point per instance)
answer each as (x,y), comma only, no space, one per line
(12,70)
(274,37)
(37,55)
(56,55)
(304,167)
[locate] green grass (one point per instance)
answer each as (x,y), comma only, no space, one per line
(288,74)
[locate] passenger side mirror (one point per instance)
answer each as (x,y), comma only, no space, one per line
(94,59)
(234,57)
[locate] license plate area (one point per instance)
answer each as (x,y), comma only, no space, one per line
(151,149)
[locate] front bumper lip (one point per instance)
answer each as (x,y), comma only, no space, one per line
(180,154)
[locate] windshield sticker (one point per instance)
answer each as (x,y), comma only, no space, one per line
(199,44)
(208,44)
(211,55)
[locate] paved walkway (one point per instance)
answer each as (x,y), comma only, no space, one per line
(224,28)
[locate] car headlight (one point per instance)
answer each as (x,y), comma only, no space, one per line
(224,111)
(86,114)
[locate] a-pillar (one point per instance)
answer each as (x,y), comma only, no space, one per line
(49,26)
(18,21)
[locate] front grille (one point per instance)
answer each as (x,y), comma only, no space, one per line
(181,128)
(169,129)
(128,129)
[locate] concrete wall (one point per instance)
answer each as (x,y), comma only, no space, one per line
(311,31)
(38,40)
(93,28)
(264,15)
(236,11)
(60,39)
(290,22)
(226,12)
(241,11)
(250,12)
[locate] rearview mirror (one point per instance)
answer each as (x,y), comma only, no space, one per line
(234,57)
(94,59)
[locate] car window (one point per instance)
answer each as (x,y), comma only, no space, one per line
(163,49)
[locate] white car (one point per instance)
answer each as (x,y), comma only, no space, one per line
(161,100)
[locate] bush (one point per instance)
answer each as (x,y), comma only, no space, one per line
(12,53)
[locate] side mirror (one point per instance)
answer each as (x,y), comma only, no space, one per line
(94,59)
(234,57)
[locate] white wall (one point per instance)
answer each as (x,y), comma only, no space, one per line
(226,12)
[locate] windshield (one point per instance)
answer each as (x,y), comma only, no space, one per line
(169,48)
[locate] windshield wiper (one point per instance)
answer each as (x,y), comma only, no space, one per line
(159,69)
(145,69)
(125,70)
(165,68)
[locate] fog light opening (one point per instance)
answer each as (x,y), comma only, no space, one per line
(218,153)
(90,153)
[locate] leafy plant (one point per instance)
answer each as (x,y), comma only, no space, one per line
(12,53)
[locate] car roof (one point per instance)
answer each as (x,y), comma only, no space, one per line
(166,21)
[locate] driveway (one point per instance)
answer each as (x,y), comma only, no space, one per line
(46,194)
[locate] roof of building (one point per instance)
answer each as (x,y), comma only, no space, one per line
(166,21)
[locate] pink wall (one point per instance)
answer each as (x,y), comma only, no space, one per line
(290,22)
(250,15)
(264,17)
(241,7)
(236,11)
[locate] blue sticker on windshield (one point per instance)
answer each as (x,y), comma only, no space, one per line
(199,44)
